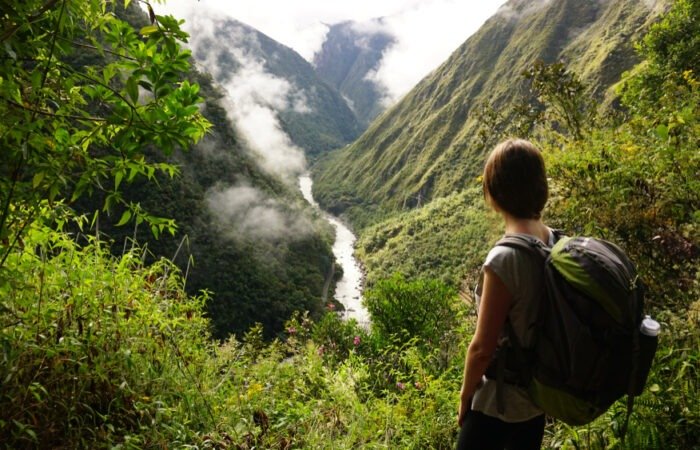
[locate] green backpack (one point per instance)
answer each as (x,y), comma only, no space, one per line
(589,350)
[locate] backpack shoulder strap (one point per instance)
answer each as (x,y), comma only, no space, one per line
(523,360)
(529,244)
(558,234)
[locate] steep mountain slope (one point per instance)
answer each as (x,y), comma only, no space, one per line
(255,244)
(244,236)
(310,112)
(432,142)
(350,52)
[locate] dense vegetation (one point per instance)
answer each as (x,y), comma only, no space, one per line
(443,240)
(629,175)
(104,351)
(250,279)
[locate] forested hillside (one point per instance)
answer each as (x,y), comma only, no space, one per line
(106,349)
(244,236)
(432,142)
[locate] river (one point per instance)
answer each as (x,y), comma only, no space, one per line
(348,290)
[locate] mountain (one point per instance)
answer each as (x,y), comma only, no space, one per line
(432,142)
(350,52)
(244,236)
(260,72)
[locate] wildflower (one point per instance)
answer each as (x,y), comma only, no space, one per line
(400,386)
(306,323)
(418,385)
(320,350)
(331,306)
(356,341)
(291,330)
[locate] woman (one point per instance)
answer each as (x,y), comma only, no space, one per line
(515,185)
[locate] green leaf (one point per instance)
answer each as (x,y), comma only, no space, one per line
(62,136)
(38,177)
(36,80)
(125,218)
(134,170)
(132,88)
(118,178)
(31,433)
(107,73)
(146,85)
(148,29)
(662,132)
(15,94)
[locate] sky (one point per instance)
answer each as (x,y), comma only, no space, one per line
(426,31)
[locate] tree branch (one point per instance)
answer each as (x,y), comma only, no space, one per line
(134,112)
(50,114)
(92,47)
(11,30)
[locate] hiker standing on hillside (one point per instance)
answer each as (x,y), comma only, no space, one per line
(515,185)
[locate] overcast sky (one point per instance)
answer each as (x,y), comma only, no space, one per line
(426,31)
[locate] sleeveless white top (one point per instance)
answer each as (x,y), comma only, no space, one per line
(523,279)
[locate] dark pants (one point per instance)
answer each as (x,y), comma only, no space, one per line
(482,432)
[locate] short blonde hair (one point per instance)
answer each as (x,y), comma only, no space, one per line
(515,179)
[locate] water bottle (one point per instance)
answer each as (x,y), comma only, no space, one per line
(648,340)
(650,327)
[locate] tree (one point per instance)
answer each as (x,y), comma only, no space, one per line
(422,308)
(671,50)
(563,95)
(81,95)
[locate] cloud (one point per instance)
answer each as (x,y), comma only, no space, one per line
(372,26)
(299,25)
(427,31)
(245,211)
(254,96)
(515,10)
(425,36)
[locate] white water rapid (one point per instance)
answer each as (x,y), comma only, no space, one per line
(348,290)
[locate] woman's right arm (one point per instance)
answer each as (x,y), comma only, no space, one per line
(493,310)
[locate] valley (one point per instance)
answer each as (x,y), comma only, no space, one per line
(183,205)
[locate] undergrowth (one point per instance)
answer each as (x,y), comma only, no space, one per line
(104,352)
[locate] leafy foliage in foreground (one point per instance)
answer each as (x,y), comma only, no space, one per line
(56,113)
(102,352)
(96,349)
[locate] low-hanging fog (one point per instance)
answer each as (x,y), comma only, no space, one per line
(252,99)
